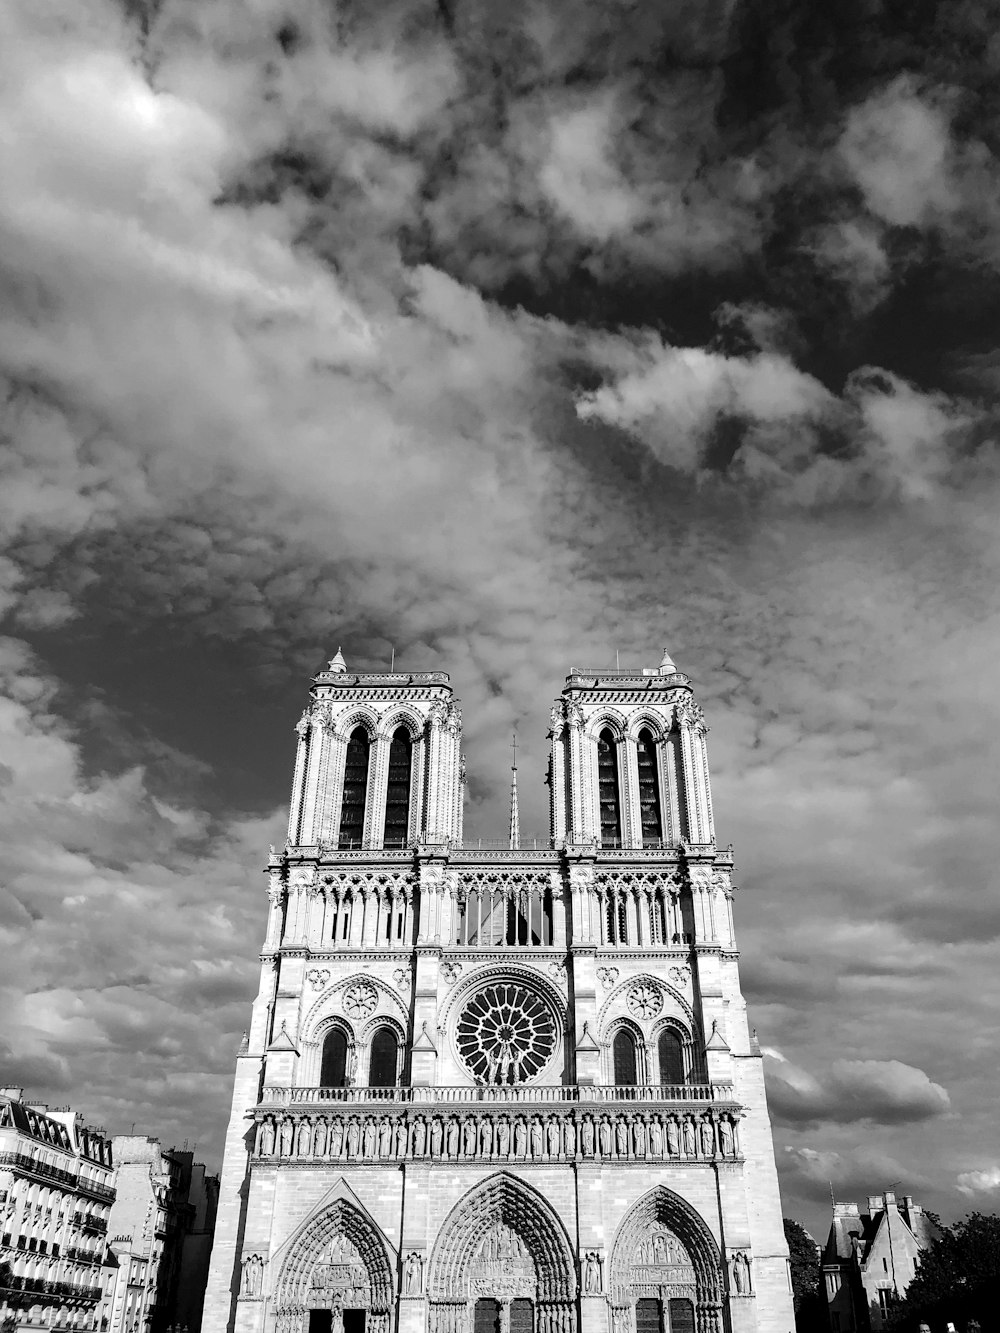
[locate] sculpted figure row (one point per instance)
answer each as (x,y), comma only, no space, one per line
(614,1137)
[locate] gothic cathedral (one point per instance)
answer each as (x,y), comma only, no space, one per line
(499,1090)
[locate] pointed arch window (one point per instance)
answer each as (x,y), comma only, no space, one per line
(352,810)
(333,1067)
(624,1059)
(607,781)
(649,790)
(671,1056)
(384,1059)
(397,796)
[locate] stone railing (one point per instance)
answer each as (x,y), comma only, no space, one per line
(313,1132)
(521,1094)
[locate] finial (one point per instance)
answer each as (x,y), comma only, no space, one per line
(337,662)
(667,666)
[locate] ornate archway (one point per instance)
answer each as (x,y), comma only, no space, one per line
(665,1252)
(338,1261)
(502,1242)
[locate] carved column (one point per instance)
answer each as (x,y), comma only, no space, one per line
(298,780)
(318,739)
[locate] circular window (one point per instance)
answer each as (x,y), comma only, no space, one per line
(506,1034)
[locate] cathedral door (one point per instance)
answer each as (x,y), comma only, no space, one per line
(320,1321)
(487,1316)
(354,1321)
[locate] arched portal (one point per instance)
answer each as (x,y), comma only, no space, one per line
(339,1264)
(502,1248)
(665,1268)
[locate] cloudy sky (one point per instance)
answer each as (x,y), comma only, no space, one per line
(509,336)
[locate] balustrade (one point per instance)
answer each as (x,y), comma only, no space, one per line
(491,1092)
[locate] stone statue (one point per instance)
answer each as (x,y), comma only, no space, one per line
(588,1137)
(726,1135)
(437,1137)
(707,1138)
(469,1135)
(399,1134)
(267,1147)
(537,1138)
(741,1273)
(413,1274)
(353,1138)
(569,1138)
(673,1139)
(689,1144)
(503,1138)
(656,1137)
(639,1136)
(369,1138)
(553,1136)
(486,1137)
(385,1138)
(592,1274)
(520,1138)
(606,1142)
(319,1139)
(286,1138)
(336,1138)
(419,1136)
(304,1139)
(252,1276)
(621,1137)
(453,1137)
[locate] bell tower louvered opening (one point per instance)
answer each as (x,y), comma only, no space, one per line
(352,810)
(397,796)
(607,779)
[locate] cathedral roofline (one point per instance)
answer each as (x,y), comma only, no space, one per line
(642,681)
(418,680)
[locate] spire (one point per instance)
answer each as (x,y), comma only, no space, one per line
(515,821)
(667,667)
(337,662)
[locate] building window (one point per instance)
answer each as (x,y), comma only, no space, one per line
(397,796)
(333,1068)
(607,781)
(624,1059)
(671,1054)
(352,811)
(384,1059)
(649,791)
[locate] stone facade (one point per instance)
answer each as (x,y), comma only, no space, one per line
(56,1191)
(499,1091)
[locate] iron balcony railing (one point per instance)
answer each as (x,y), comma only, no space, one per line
(499,1094)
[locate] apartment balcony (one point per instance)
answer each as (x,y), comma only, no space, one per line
(86,1222)
(21,1162)
(93,1188)
(42,1290)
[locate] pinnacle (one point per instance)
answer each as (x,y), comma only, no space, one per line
(667,665)
(337,662)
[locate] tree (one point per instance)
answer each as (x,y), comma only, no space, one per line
(958,1278)
(809,1310)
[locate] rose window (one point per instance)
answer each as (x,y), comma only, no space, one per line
(360,999)
(506,1034)
(645,1000)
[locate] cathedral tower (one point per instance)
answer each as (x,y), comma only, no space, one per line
(499,1090)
